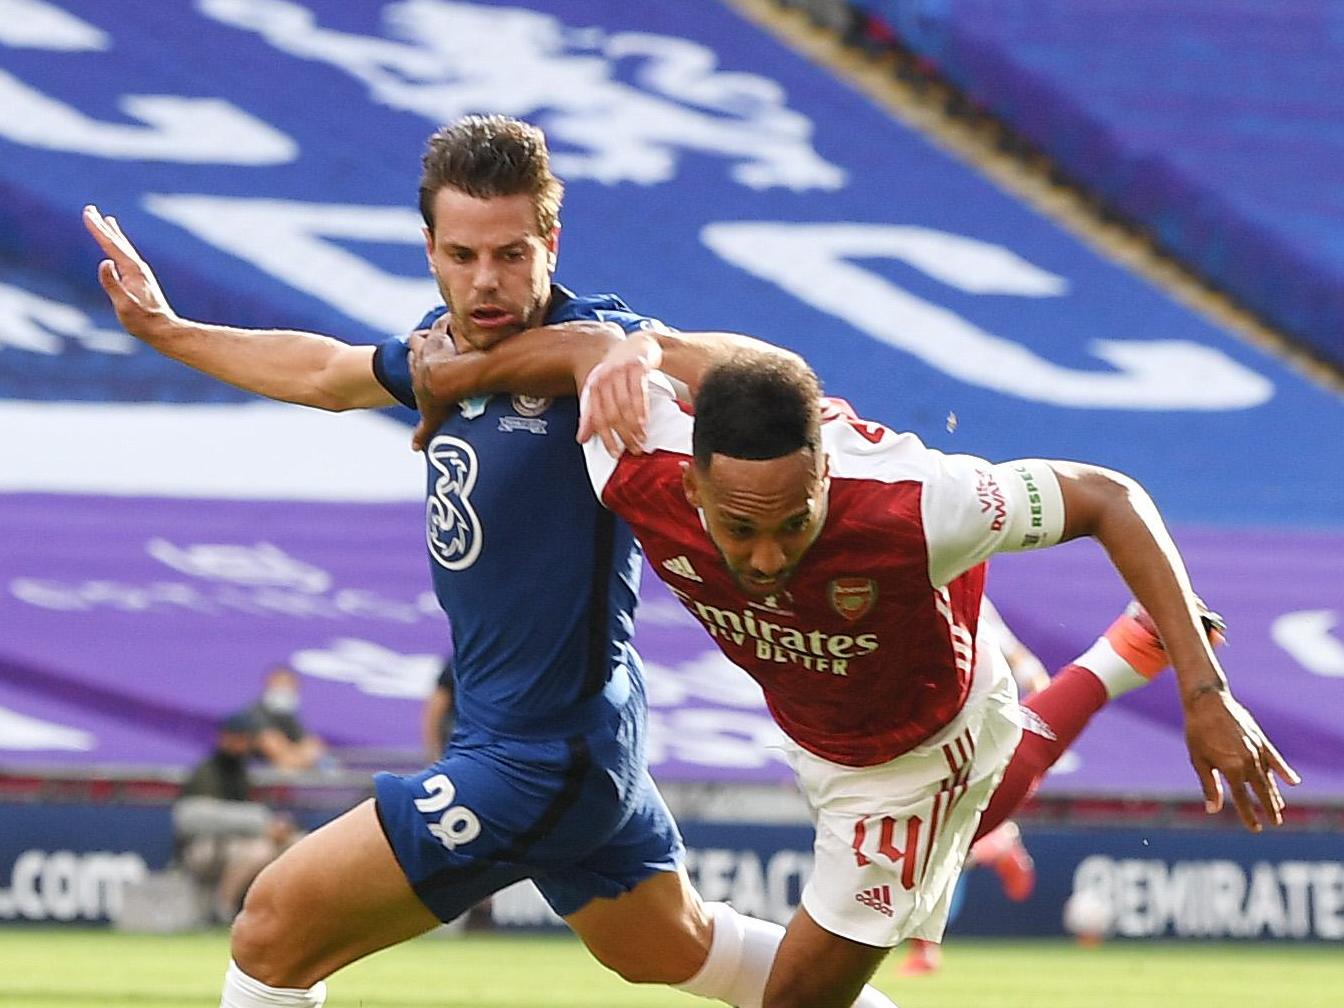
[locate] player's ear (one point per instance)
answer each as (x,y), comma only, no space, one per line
(689,485)
(553,248)
(429,247)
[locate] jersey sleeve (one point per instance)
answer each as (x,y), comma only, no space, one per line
(972,510)
(392,368)
(602,308)
(392,361)
(668,430)
(629,321)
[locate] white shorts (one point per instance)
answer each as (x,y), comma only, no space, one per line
(891,838)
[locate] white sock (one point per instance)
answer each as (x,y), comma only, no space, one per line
(739,960)
(871,997)
(241,991)
(1116,674)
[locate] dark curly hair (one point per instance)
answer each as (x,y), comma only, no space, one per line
(756,405)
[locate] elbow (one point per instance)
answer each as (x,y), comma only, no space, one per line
(1098,499)
(1113,487)
(329,402)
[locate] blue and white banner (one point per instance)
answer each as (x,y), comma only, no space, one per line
(264,155)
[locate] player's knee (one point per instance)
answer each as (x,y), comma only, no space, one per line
(670,957)
(639,967)
(799,996)
(262,941)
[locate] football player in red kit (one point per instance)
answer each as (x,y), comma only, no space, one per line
(842,566)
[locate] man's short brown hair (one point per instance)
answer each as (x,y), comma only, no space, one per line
(489,156)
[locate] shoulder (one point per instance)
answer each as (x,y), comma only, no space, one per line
(429,318)
(566,306)
(642,478)
(865,449)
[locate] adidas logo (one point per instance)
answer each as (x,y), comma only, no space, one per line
(681,567)
(878,897)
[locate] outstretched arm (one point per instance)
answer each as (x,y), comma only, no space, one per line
(547,361)
(615,393)
(1222,736)
(289,366)
(608,369)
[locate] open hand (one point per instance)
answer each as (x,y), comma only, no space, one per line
(429,348)
(614,401)
(130,284)
(1227,744)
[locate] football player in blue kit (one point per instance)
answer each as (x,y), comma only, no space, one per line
(545,777)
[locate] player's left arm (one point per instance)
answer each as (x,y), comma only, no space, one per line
(1222,736)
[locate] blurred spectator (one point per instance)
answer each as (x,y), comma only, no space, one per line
(436,728)
(223,839)
(438,717)
(281,740)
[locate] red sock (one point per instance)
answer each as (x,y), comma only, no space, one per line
(1065,707)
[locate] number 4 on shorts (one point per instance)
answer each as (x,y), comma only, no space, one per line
(907,857)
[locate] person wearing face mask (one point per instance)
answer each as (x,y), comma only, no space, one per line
(281,739)
(223,838)
(546,776)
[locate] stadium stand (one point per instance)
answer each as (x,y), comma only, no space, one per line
(1216,127)
(164,538)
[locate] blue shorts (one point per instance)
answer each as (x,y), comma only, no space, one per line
(581,817)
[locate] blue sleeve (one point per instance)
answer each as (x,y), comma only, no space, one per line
(392,368)
(392,362)
(602,308)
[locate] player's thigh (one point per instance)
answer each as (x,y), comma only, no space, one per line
(817,969)
(658,932)
(335,896)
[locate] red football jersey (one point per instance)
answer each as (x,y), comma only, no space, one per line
(871,648)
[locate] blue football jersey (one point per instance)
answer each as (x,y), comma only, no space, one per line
(539,581)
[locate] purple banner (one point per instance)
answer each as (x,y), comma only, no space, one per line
(1283,596)
(165,614)
(130,626)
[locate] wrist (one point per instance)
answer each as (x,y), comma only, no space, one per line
(1192,695)
(648,348)
(166,327)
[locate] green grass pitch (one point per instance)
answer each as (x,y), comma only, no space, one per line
(72,968)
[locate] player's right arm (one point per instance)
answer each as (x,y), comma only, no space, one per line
(285,365)
(614,394)
(609,369)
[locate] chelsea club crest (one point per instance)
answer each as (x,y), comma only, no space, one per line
(531,406)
